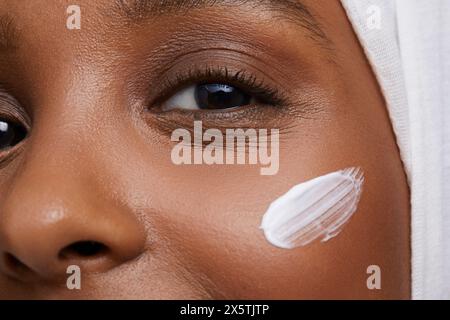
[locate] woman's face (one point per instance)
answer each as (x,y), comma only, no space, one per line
(86,172)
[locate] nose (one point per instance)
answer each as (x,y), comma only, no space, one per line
(54,216)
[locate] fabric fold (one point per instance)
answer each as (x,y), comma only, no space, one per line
(409,52)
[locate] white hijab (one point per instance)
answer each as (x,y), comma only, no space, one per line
(408,45)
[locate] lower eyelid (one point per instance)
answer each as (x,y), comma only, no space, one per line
(251,116)
(8,155)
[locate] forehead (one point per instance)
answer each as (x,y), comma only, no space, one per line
(41,13)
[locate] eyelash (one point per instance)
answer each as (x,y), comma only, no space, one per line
(264,94)
(10,112)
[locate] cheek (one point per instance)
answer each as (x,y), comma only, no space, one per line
(214,221)
(208,217)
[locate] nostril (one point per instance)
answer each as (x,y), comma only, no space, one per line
(13,263)
(83,249)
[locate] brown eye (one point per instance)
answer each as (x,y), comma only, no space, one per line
(214,96)
(10,134)
(220,96)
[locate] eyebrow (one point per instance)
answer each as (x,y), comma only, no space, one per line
(8,34)
(290,10)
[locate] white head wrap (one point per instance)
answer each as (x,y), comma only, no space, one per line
(408,45)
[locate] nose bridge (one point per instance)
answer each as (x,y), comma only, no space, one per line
(54,209)
(52,177)
(60,161)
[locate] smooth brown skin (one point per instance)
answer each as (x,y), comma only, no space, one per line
(96,163)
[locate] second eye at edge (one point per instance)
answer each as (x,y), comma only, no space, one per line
(11,134)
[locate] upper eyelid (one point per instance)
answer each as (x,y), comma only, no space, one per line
(219,52)
(164,59)
(11,109)
(272,80)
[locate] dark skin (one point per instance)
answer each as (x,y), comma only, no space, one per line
(95,163)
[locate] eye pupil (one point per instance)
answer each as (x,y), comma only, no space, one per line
(220,96)
(10,134)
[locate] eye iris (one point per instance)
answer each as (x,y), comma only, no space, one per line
(10,134)
(220,96)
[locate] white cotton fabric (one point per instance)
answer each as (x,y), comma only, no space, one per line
(410,56)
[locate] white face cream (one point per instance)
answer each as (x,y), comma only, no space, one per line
(316,209)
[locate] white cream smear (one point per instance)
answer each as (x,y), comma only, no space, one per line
(316,209)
